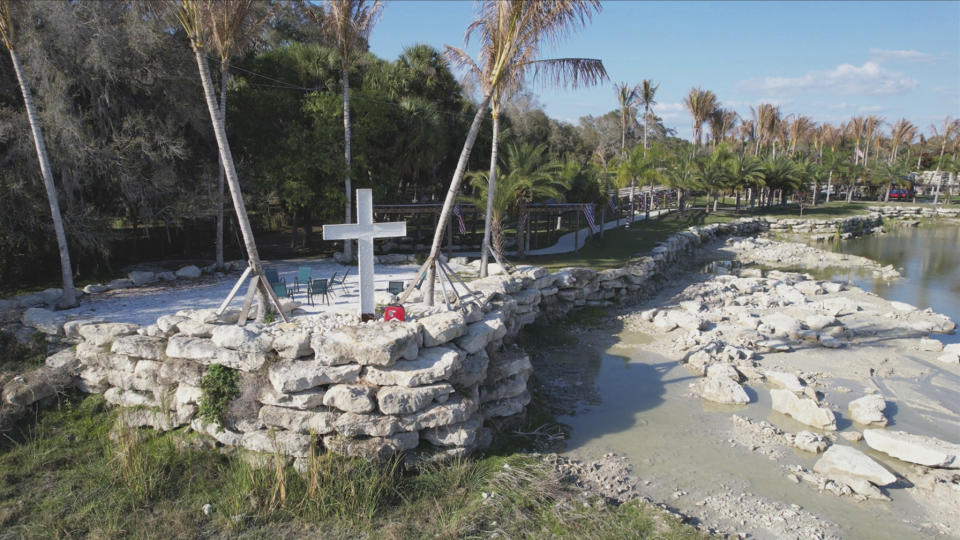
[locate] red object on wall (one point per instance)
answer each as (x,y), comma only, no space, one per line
(394,313)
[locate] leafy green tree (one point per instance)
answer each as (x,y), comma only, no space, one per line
(627,97)
(713,174)
(780,174)
(746,172)
(526,175)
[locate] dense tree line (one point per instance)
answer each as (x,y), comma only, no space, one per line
(134,158)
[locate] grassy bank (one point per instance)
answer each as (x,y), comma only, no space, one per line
(68,472)
(619,245)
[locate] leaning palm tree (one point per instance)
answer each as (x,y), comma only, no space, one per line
(873,124)
(566,72)
(799,128)
(511,34)
(195,18)
(69,298)
(627,97)
(700,103)
(721,121)
(648,91)
(347,24)
(902,132)
(766,118)
(233,26)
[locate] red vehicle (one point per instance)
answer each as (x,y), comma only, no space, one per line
(900,193)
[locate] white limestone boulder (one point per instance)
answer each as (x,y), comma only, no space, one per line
(189,272)
(355,398)
(442,327)
(848,461)
(43,320)
(400,400)
(380,344)
(803,409)
(868,410)
(433,365)
(319,422)
(299,375)
(918,449)
(103,333)
(722,389)
(150,348)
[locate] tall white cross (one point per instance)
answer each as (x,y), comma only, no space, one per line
(364,231)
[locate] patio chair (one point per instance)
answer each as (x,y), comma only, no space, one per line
(303,278)
(272,276)
(343,279)
(280,289)
(318,287)
(395,287)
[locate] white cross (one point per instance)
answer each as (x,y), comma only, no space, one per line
(364,231)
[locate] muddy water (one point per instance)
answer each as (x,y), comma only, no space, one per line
(683,448)
(930,261)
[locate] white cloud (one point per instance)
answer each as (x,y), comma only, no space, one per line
(868,79)
(884,55)
(671,111)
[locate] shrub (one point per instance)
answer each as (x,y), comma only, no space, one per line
(219,386)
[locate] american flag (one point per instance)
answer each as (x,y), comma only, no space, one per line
(588,212)
(459,214)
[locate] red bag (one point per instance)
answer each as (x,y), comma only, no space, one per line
(394,312)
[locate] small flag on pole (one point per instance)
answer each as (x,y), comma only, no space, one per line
(460,223)
(588,212)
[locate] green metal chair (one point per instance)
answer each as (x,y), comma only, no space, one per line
(303,278)
(318,287)
(280,289)
(341,282)
(272,276)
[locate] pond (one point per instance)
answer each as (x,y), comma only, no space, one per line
(929,259)
(640,406)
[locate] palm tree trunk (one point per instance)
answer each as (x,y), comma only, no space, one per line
(491,186)
(224,73)
(233,181)
(633,187)
(69,298)
(650,202)
(452,195)
(816,188)
(646,113)
(829,185)
(347,244)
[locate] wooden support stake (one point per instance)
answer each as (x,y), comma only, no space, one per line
(247,300)
(233,291)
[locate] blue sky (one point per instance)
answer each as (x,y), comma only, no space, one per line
(827,60)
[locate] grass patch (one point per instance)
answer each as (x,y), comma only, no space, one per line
(16,357)
(62,474)
(619,245)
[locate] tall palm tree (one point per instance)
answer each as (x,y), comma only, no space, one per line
(799,128)
(766,118)
(721,121)
(511,34)
(627,97)
(700,103)
(950,127)
(681,175)
(873,124)
(565,71)
(195,18)
(648,92)
(855,128)
(69,298)
(233,25)
(834,162)
(348,24)
(631,168)
(713,173)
